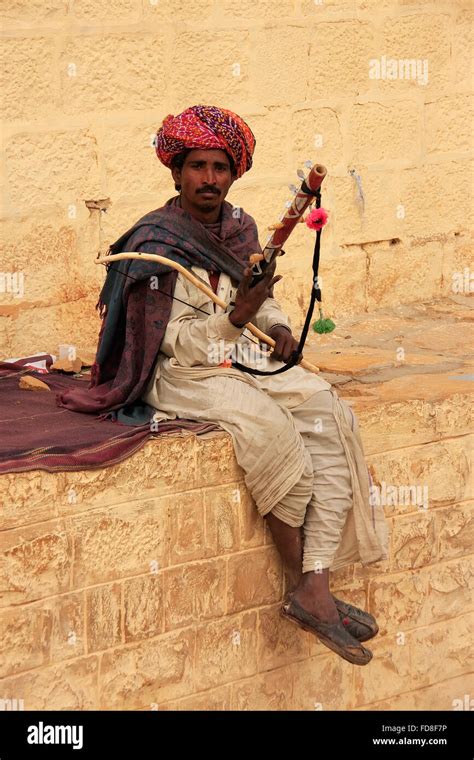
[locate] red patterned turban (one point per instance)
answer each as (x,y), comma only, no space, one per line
(206,128)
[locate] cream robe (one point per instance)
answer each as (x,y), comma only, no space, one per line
(189,383)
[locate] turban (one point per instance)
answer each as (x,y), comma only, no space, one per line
(207,128)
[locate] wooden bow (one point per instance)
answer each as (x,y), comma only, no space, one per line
(210,293)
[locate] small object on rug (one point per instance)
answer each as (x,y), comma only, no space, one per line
(67,365)
(28,383)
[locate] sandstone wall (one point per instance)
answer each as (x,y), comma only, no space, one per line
(87,84)
(147,586)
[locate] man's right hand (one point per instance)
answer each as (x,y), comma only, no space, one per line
(248,300)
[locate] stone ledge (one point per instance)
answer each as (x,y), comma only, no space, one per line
(127,588)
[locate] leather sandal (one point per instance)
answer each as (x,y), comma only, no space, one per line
(360,624)
(333,635)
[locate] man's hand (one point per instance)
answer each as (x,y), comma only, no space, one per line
(248,300)
(285,344)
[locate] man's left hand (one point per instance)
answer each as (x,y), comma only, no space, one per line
(285,344)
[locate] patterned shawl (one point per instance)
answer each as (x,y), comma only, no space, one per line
(135,316)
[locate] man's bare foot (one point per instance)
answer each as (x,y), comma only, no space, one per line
(319,603)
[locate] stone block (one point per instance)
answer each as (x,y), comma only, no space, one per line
(143,606)
(118,542)
(385,131)
(386,675)
(36,562)
(280,73)
(128,68)
(226,650)
(148,673)
(448,123)
(346,46)
(187,530)
(221,509)
(254,579)
(455,530)
(280,641)
(413,541)
(322,683)
(223,75)
(213,699)
(68,686)
(52,167)
(423,477)
(103,605)
(266,691)
(441,651)
(400,274)
(28,76)
(194,592)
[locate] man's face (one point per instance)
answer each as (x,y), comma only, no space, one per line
(205,180)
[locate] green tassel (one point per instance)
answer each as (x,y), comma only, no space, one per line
(323,325)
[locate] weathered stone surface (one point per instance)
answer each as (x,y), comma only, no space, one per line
(227,650)
(143,608)
(423,477)
(89,68)
(187,528)
(254,579)
(322,683)
(431,45)
(103,610)
(164,466)
(442,650)
(119,10)
(68,634)
(267,691)
(221,507)
(215,460)
(223,84)
(349,73)
(454,527)
(446,695)
(388,672)
(279,640)
(27,79)
(36,561)
(213,699)
(29,498)
(140,675)
(448,123)
(118,542)
(422,597)
(69,686)
(26,638)
(291,85)
(400,124)
(66,161)
(251,524)
(33,12)
(195,591)
(413,542)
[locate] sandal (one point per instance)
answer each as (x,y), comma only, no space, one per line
(333,635)
(360,624)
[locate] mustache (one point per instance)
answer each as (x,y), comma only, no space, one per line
(209,190)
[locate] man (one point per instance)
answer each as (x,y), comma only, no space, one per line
(296,441)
